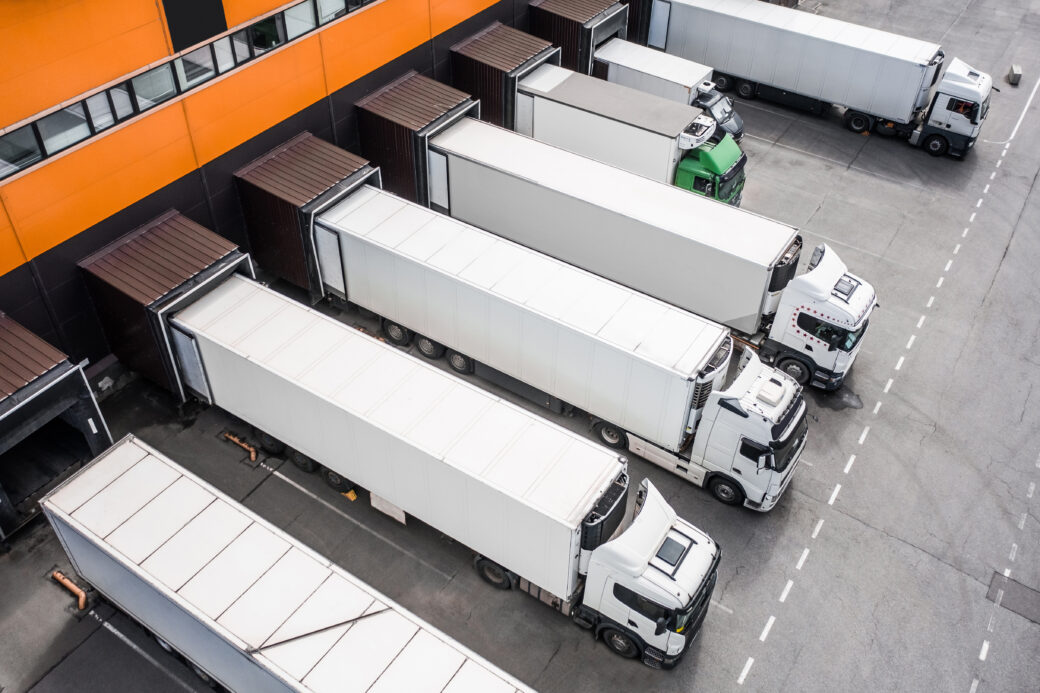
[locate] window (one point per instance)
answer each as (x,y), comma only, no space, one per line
(63,128)
(965,108)
(702,185)
(195,67)
(121,99)
(267,34)
(330,9)
(154,87)
(299,19)
(100,111)
(225,54)
(18,150)
(829,334)
(240,40)
(639,603)
(751,450)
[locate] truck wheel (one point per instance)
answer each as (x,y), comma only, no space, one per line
(621,643)
(726,491)
(857,122)
(429,348)
(460,363)
(269,444)
(746,89)
(302,461)
(167,647)
(493,574)
(723,82)
(203,676)
(396,334)
(336,481)
(610,435)
(796,369)
(936,145)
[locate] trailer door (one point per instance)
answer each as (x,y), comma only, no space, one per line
(659,15)
(189,363)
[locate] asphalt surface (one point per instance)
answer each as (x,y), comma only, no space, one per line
(883,567)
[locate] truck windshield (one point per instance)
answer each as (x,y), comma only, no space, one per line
(784,450)
(732,181)
(721,109)
(681,620)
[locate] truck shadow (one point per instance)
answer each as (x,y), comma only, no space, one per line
(842,398)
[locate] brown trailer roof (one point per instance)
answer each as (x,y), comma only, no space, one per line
(576,10)
(24,357)
(502,47)
(413,101)
(301,169)
(156,258)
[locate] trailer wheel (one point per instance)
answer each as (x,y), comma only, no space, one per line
(460,363)
(857,122)
(745,89)
(302,461)
(621,643)
(203,676)
(269,444)
(167,647)
(795,368)
(726,491)
(610,435)
(336,481)
(723,82)
(396,334)
(936,145)
(493,574)
(429,348)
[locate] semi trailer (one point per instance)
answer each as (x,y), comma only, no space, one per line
(246,605)
(541,507)
(892,84)
(669,76)
(635,131)
(653,378)
(721,263)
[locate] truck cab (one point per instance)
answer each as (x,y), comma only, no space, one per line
(721,109)
(954,118)
(648,589)
(751,435)
(715,170)
(820,321)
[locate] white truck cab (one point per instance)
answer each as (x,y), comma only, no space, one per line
(820,321)
(958,109)
(648,589)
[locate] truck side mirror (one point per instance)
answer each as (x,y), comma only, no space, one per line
(660,625)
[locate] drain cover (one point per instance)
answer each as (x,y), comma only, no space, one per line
(1014,596)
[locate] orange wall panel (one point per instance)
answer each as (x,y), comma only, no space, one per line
(71,193)
(447,13)
(371,38)
(241,11)
(11,254)
(245,103)
(54,51)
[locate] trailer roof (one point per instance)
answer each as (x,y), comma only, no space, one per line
(650,61)
(730,230)
(304,618)
(502,47)
(413,101)
(540,464)
(614,101)
(651,329)
(824,28)
(24,357)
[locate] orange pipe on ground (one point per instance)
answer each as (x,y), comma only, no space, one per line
(71,587)
(242,444)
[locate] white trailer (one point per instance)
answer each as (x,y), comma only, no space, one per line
(668,76)
(885,81)
(712,260)
(633,130)
(655,379)
(248,606)
(540,506)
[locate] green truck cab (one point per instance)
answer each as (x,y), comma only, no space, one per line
(715,170)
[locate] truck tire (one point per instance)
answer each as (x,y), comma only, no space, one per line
(857,122)
(936,145)
(621,643)
(746,89)
(335,481)
(493,574)
(302,461)
(166,647)
(726,491)
(611,435)
(429,348)
(396,334)
(723,82)
(269,444)
(203,676)
(796,368)
(460,363)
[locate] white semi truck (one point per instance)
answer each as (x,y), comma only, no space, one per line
(248,606)
(635,131)
(669,76)
(654,379)
(886,82)
(713,260)
(541,507)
